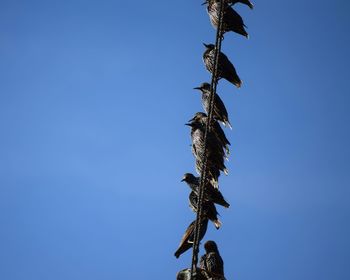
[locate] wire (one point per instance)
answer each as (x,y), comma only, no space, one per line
(203,179)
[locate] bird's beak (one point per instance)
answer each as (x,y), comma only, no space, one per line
(191,120)
(204,3)
(199,88)
(189,124)
(183,179)
(205,45)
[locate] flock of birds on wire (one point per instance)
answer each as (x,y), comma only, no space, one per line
(211,263)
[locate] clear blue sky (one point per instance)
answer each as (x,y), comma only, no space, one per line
(93,100)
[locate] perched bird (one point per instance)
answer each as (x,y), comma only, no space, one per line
(216,129)
(214,152)
(209,209)
(210,193)
(187,239)
(232,21)
(211,261)
(219,110)
(246,2)
(225,69)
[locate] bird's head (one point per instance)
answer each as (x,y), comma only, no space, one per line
(198,117)
(188,178)
(204,87)
(210,246)
(209,46)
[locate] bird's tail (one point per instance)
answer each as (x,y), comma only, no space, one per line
(251,5)
(227,123)
(214,183)
(226,205)
(235,80)
(217,223)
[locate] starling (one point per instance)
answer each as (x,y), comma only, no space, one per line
(232,21)
(211,261)
(246,2)
(210,193)
(215,129)
(215,153)
(219,110)
(225,69)
(187,239)
(209,209)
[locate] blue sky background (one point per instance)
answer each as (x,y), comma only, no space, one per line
(93,100)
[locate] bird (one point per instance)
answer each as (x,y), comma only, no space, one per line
(225,69)
(214,152)
(211,261)
(216,129)
(187,239)
(219,109)
(208,209)
(210,193)
(232,21)
(246,2)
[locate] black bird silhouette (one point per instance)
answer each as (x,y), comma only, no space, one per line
(225,69)
(215,153)
(219,110)
(209,209)
(232,21)
(246,2)
(210,193)
(212,262)
(216,129)
(187,239)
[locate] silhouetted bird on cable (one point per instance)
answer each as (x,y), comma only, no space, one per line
(211,261)
(219,110)
(232,21)
(225,69)
(208,210)
(246,2)
(187,239)
(215,153)
(216,129)
(210,193)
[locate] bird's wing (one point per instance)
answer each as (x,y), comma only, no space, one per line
(232,17)
(226,65)
(187,235)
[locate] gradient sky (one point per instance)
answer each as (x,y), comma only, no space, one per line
(93,100)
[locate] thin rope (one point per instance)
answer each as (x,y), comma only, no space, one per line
(203,178)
